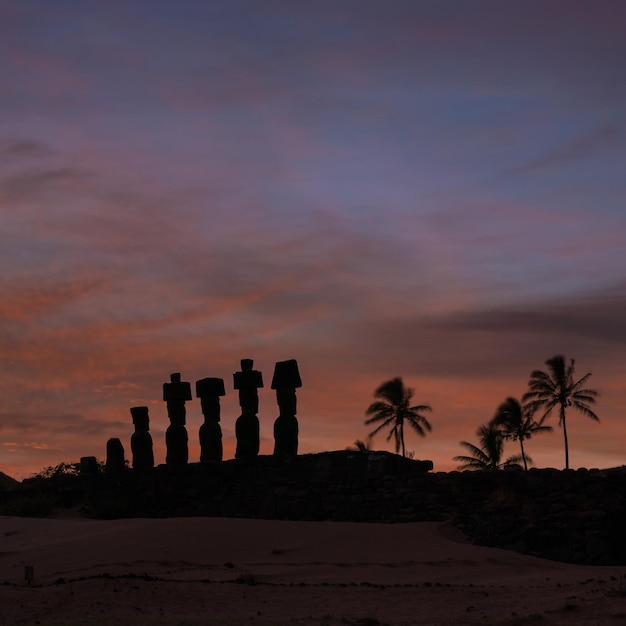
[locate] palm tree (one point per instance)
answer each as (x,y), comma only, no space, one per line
(362,446)
(557,387)
(393,408)
(489,455)
(516,423)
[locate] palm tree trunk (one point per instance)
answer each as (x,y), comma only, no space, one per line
(565,436)
(521,444)
(402,437)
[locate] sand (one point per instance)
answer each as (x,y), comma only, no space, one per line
(188,571)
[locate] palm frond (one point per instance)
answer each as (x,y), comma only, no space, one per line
(585,410)
(418,422)
(541,429)
(420,408)
(417,427)
(558,369)
(478,454)
(579,383)
(393,391)
(378,407)
(513,461)
(469,462)
(382,426)
(586,395)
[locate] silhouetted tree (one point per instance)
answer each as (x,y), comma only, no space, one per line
(557,388)
(62,469)
(489,455)
(362,446)
(393,408)
(516,423)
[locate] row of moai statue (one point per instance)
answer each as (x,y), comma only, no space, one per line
(176,393)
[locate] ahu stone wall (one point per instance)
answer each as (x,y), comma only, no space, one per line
(576,516)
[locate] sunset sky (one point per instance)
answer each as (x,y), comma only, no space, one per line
(431,190)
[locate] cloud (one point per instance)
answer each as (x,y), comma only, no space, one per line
(492,343)
(597,315)
(22,149)
(36,182)
(22,429)
(26,297)
(326,57)
(601,140)
(35,439)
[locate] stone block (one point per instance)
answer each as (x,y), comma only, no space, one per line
(248,380)
(286,374)
(88,465)
(210,387)
(115,456)
(176,389)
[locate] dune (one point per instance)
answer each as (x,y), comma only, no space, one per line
(239,571)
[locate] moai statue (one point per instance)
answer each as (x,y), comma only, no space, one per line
(247,381)
(175,394)
(88,466)
(115,456)
(209,391)
(141,440)
(285,381)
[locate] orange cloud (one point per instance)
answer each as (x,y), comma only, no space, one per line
(23,298)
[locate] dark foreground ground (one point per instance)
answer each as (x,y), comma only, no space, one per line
(193,571)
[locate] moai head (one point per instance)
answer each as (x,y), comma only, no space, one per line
(141,419)
(247,381)
(209,391)
(175,394)
(285,381)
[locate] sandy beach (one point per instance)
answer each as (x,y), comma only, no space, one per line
(188,571)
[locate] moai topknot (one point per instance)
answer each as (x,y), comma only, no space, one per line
(141,440)
(175,394)
(285,381)
(115,456)
(209,391)
(247,381)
